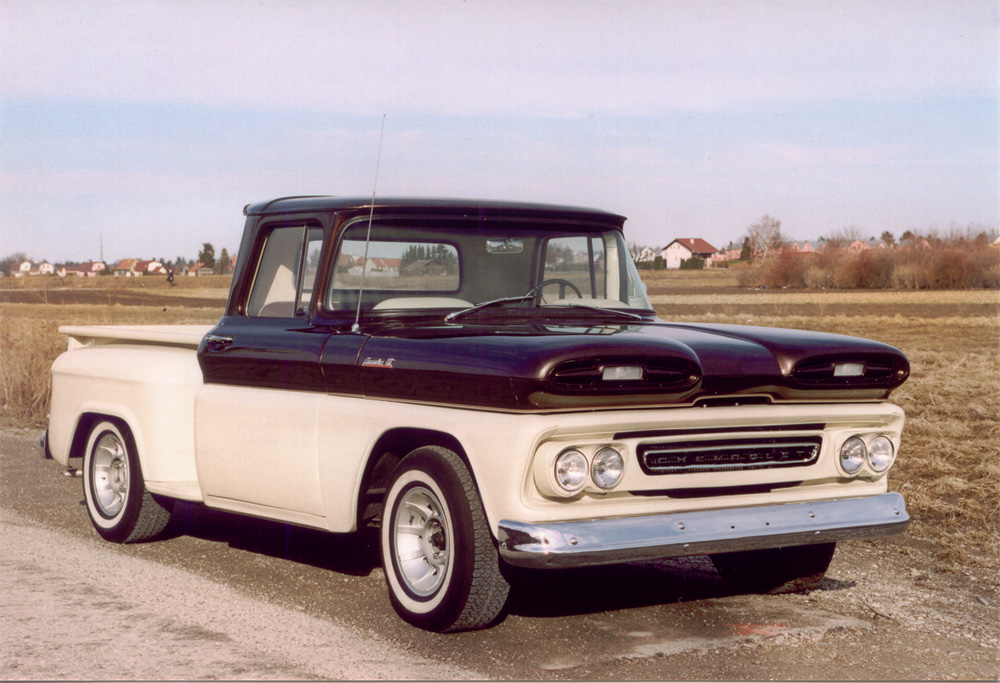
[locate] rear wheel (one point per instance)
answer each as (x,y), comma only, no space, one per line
(119,506)
(776,570)
(440,562)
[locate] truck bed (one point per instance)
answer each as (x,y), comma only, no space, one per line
(187,336)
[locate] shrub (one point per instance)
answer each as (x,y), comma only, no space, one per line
(951,269)
(693,263)
(871,269)
(951,264)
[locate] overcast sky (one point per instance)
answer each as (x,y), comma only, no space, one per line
(154,123)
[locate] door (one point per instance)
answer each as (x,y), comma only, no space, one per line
(256,416)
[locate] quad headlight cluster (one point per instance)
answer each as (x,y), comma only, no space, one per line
(874,454)
(573,470)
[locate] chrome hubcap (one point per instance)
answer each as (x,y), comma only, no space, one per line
(421,541)
(109,474)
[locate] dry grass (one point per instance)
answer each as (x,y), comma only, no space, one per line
(903,298)
(949,465)
(30,341)
(181,283)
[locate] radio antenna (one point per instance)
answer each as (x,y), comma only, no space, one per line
(356,327)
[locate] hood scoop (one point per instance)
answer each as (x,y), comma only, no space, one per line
(869,371)
(615,376)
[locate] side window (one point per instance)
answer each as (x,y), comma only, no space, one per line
(286,273)
(581,260)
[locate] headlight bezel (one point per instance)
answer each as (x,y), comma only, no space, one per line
(883,442)
(563,459)
(601,457)
(859,456)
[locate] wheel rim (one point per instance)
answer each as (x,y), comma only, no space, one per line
(420,532)
(109,474)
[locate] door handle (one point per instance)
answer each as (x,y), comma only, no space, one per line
(217,342)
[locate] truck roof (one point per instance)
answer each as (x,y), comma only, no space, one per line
(431,205)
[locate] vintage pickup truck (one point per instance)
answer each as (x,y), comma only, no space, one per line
(486,382)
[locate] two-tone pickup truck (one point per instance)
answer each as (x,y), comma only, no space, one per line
(488,383)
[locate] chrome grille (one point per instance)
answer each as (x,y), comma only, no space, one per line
(728,455)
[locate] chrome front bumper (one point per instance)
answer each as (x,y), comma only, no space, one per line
(630,539)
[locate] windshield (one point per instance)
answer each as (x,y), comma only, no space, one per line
(458,267)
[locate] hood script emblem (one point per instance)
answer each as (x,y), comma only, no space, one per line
(377,362)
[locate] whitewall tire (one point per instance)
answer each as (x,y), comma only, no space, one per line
(441,564)
(119,506)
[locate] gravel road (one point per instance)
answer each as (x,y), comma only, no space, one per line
(228,597)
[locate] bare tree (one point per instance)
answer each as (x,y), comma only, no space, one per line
(765,237)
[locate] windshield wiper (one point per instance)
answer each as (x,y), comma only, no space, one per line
(597,309)
(486,304)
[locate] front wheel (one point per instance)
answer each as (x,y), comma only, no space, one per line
(440,562)
(119,506)
(776,570)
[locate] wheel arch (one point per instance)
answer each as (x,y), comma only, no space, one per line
(389,450)
(85,423)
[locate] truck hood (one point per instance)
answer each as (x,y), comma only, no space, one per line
(535,366)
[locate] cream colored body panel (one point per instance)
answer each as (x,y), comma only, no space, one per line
(300,457)
(259,446)
(187,336)
(152,389)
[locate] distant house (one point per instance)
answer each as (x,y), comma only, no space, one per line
(915,243)
(23,268)
(724,256)
(424,267)
(383,266)
(802,247)
(389,265)
(71,270)
(684,248)
(88,269)
(199,269)
(996,242)
(46,268)
(647,255)
(149,267)
(126,267)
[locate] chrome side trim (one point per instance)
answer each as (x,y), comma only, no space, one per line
(629,539)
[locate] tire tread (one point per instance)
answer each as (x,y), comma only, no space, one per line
(489,589)
(152,520)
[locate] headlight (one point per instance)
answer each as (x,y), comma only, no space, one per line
(571,470)
(880,454)
(607,468)
(852,455)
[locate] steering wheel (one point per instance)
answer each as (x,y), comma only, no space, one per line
(562,288)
